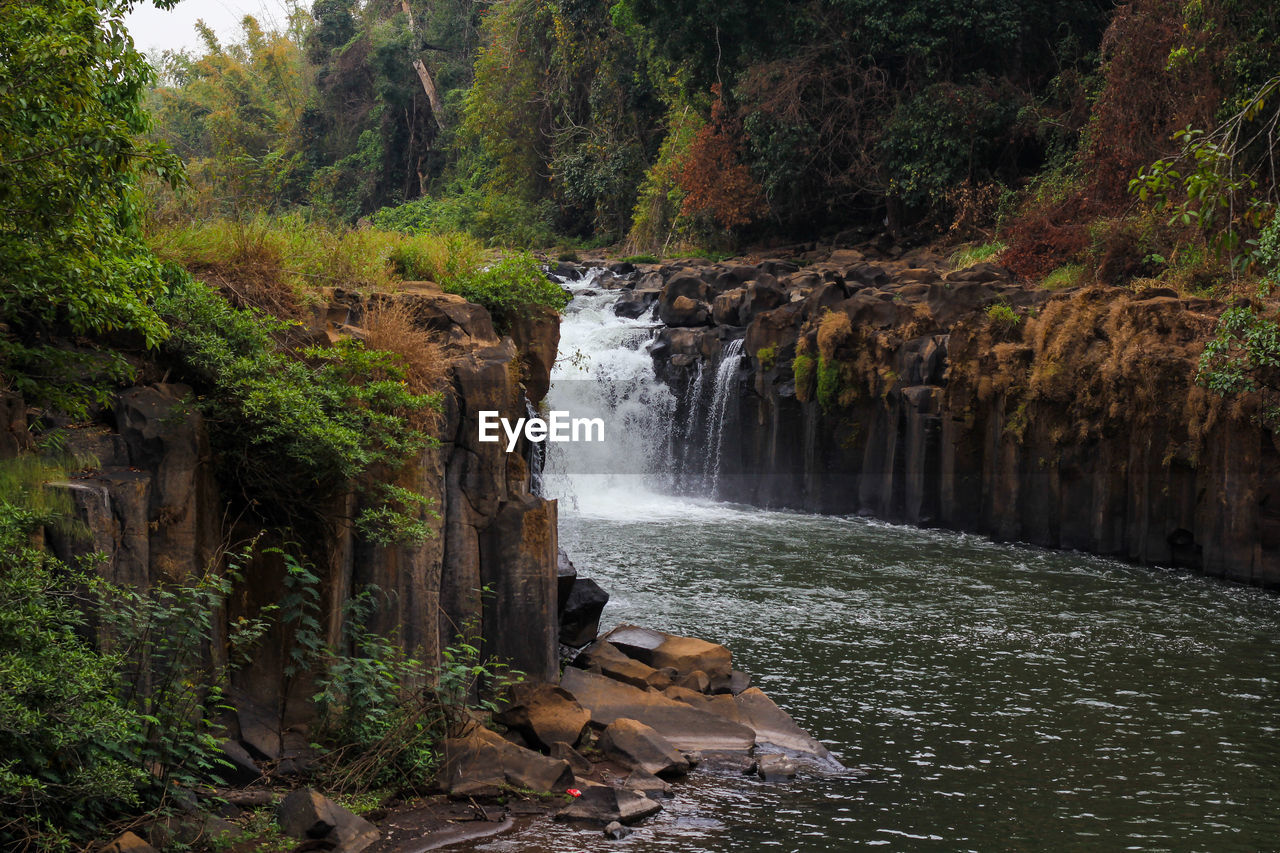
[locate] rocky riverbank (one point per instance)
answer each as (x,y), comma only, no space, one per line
(855,381)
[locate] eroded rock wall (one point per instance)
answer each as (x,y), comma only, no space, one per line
(965,400)
(155,509)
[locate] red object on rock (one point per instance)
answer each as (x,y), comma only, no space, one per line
(573,792)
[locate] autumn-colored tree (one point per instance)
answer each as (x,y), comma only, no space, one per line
(714,179)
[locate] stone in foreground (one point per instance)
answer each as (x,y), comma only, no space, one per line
(128,843)
(648,784)
(602,805)
(639,746)
(686,728)
(544,714)
(775,768)
(578,762)
(616,831)
(580,615)
(482,763)
(308,815)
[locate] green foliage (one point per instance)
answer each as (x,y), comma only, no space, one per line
(1244,354)
(510,289)
(804,370)
(767,357)
(972,255)
(1063,277)
(639,259)
(288,423)
(494,217)
(1267,253)
(386,712)
(64,733)
(71,261)
(829,383)
(1002,317)
(398,517)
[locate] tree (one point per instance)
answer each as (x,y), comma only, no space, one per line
(72,265)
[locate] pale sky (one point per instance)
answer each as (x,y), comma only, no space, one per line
(154,30)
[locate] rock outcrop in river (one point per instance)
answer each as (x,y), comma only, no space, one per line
(900,389)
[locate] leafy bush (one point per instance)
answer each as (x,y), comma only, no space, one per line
(1063,277)
(493,218)
(767,357)
(972,255)
(803,369)
(289,423)
(510,289)
(829,383)
(1002,317)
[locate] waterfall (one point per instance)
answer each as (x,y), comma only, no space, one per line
(655,445)
(725,388)
(603,369)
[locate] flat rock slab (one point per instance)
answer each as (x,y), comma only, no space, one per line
(607,659)
(685,727)
(601,805)
(639,746)
(774,726)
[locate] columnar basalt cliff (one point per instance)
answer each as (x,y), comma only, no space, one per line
(155,509)
(900,389)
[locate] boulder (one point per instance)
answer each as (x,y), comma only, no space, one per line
(481,763)
(760,297)
(639,746)
(683,311)
(544,714)
(738,681)
(684,727)
(602,805)
(683,654)
(578,762)
(307,814)
(721,705)
(616,831)
(697,681)
(648,784)
(606,659)
(634,304)
(775,768)
(725,309)
(580,615)
(128,843)
(242,770)
(774,726)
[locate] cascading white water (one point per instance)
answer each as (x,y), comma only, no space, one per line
(724,390)
(603,370)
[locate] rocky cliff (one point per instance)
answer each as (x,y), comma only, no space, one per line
(903,390)
(155,509)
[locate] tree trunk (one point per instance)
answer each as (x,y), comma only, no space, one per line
(428,84)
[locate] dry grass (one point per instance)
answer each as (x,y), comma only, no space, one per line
(834,330)
(391,328)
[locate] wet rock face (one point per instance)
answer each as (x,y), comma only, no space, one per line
(964,399)
(154,508)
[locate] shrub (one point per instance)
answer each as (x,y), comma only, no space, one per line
(767,357)
(803,369)
(640,259)
(1063,277)
(829,383)
(1002,317)
(834,330)
(510,289)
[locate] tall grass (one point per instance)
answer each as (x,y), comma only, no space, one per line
(278,263)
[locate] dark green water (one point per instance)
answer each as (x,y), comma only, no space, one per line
(998,697)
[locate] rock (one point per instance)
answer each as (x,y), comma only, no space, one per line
(307,814)
(683,311)
(639,746)
(683,654)
(684,727)
(697,681)
(616,831)
(606,659)
(774,726)
(648,784)
(775,768)
(352,834)
(721,705)
(738,682)
(544,714)
(482,764)
(602,805)
(566,574)
(192,830)
(578,762)
(128,843)
(634,304)
(760,297)
(694,758)
(580,615)
(725,310)
(243,771)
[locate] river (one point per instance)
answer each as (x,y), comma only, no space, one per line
(994,697)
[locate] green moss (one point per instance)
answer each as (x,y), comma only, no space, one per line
(1002,317)
(828,383)
(640,259)
(767,357)
(1063,277)
(803,369)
